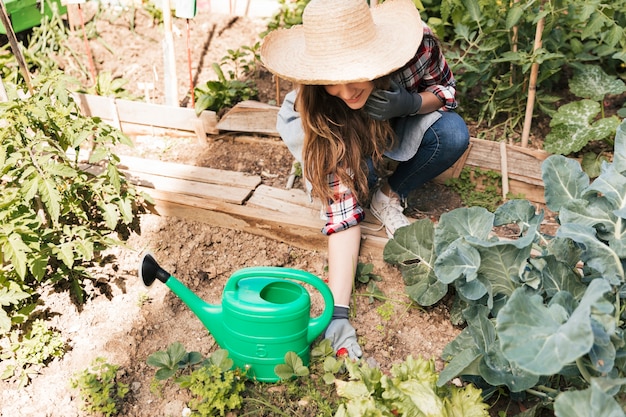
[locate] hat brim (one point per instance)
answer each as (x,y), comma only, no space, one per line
(399,32)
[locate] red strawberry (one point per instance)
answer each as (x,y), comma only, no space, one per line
(342,352)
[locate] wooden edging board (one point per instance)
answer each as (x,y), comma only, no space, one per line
(119,112)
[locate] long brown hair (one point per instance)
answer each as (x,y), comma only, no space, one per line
(338,140)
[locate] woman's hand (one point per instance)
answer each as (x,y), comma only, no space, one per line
(395,102)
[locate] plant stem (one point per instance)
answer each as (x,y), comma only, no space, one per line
(583,370)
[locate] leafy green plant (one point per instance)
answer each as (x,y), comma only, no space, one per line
(215,387)
(57,214)
(170,361)
(477,187)
(100,390)
(365,275)
(543,313)
(490,47)
(29,352)
(108,86)
(410,389)
(244,60)
(289,14)
(293,367)
(223,93)
(574,125)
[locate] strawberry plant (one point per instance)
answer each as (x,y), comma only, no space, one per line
(543,313)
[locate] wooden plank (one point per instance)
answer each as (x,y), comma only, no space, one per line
(186,188)
(251,116)
(190,172)
(150,114)
(300,231)
(295,204)
(524,164)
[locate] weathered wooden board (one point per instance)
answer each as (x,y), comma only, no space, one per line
(293,221)
(189,172)
(121,111)
(250,116)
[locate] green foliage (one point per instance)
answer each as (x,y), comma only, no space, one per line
(243,60)
(29,352)
(288,15)
(56,214)
(293,367)
(410,390)
(170,361)
(575,124)
(215,390)
(365,275)
(99,388)
(477,187)
(491,50)
(107,86)
(547,320)
(223,93)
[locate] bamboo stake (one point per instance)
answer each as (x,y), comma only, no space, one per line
(171,83)
(532,86)
(504,169)
(21,62)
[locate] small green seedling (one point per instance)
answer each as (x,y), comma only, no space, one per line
(173,359)
(293,367)
(99,389)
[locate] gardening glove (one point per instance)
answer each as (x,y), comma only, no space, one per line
(341,333)
(395,102)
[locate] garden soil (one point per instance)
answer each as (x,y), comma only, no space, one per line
(125,322)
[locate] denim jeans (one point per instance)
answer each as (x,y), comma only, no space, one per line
(442,145)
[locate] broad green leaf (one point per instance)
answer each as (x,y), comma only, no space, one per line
(557,276)
(465,362)
(564,181)
(619,153)
(503,265)
(481,328)
(459,260)
(422,285)
(463,222)
(412,243)
(536,338)
(596,254)
(593,83)
(497,370)
(590,402)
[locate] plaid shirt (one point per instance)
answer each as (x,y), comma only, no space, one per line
(418,75)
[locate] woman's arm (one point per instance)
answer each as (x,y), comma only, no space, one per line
(343,255)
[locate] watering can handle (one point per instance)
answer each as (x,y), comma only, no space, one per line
(317,324)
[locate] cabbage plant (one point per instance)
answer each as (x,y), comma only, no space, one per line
(543,314)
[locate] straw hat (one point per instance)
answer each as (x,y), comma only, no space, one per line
(342,41)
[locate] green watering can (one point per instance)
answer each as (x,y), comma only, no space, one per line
(264,314)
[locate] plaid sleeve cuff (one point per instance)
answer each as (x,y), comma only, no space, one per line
(356,218)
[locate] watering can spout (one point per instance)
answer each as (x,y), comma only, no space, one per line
(149,270)
(210,315)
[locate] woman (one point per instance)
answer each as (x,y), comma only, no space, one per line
(371,111)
